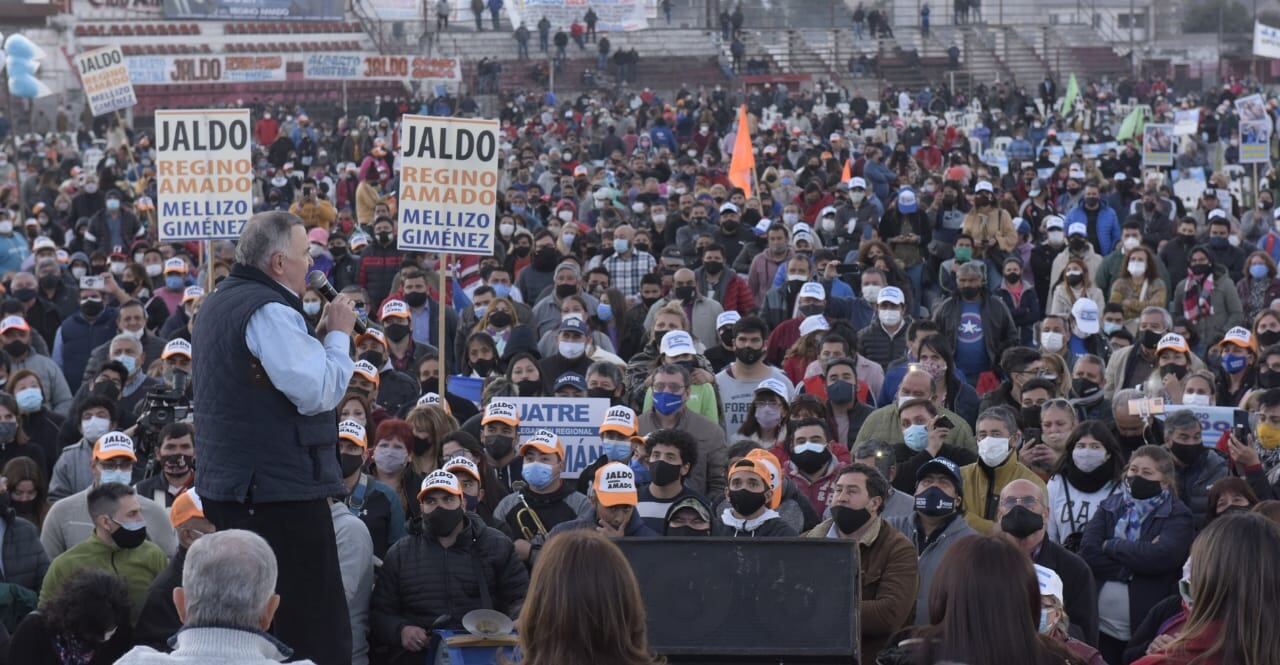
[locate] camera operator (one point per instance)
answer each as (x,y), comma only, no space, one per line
(177,456)
(166,404)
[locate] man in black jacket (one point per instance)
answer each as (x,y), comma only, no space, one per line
(159,619)
(457,564)
(1023,513)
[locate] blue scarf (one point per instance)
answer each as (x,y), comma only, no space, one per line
(1135,512)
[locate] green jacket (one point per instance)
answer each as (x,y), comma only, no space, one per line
(138,567)
(884,425)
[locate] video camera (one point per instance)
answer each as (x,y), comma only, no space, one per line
(162,407)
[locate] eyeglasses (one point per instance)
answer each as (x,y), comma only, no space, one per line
(1011,502)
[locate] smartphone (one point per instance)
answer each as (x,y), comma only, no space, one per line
(943,422)
(93,282)
(1241,428)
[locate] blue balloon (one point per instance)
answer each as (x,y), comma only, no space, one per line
(18,46)
(27,86)
(20,66)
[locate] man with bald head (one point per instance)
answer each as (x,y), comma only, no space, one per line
(701,310)
(886,424)
(1022,516)
(627,265)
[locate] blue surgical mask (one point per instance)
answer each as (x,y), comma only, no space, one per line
(916,437)
(604,311)
(115,476)
(620,245)
(537,474)
(617,451)
(1044,621)
(480,310)
(667,403)
(311,307)
(174,282)
(641,470)
(1109,327)
(29,400)
(129,362)
(1257,271)
(113,204)
(502,290)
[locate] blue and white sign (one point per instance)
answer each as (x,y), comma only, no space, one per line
(576,420)
(1214,420)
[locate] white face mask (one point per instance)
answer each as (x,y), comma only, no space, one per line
(154,269)
(1195,399)
(870,292)
(1234,240)
(829,224)
(1056,237)
(857,197)
(890,317)
(1088,459)
(1051,341)
(6,227)
(565,215)
(790,218)
(1137,268)
(993,450)
(94,427)
(1130,243)
(78,272)
(572,350)
(506,229)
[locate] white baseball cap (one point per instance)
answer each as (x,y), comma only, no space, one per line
(677,343)
(615,485)
(776,387)
(1054,222)
(1050,583)
(857,183)
(176,347)
(727,319)
(984,186)
(1077,229)
(891,294)
(812,324)
(1085,312)
(813,290)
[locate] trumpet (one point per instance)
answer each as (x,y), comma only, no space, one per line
(526,515)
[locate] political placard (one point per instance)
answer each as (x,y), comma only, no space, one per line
(576,420)
(1214,420)
(614,15)
(1255,141)
(204,174)
(1157,145)
(377,67)
(105,79)
(1266,40)
(1186,123)
(189,69)
(448,185)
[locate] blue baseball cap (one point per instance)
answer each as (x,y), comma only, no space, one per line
(944,466)
(574,324)
(571,380)
(907,201)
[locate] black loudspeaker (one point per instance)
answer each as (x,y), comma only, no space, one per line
(742,600)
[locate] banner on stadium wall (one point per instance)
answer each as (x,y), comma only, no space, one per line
(1157,145)
(576,420)
(1214,420)
(254,10)
(448,185)
(105,79)
(374,67)
(1266,40)
(1186,123)
(615,15)
(204,174)
(189,69)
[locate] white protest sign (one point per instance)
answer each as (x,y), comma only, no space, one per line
(105,79)
(448,185)
(1214,420)
(576,420)
(204,174)
(1186,123)
(1266,40)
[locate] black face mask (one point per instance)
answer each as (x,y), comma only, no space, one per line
(127,286)
(49,282)
(415,299)
(443,521)
(350,463)
(396,332)
(664,473)
(1178,371)
(1142,488)
(566,290)
(1077,244)
(375,358)
(1021,522)
(1084,388)
(384,238)
(500,318)
(24,508)
(1091,202)
(849,520)
(600,392)
(970,292)
(529,387)
(499,445)
(1188,455)
(91,308)
(521,251)
(748,355)
(544,259)
(421,445)
(812,310)
(483,366)
(1269,337)
(126,539)
(933,502)
(1013,277)
(1269,379)
(102,388)
(17,348)
(1151,339)
(338,252)
(25,295)
(746,502)
(686,531)
(712,267)
(810,461)
(648,302)
(1201,269)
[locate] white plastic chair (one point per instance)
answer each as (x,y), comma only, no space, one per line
(1001,143)
(1188,191)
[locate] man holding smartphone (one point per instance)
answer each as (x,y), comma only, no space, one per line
(314,209)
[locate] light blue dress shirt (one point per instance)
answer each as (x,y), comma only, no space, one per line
(312,375)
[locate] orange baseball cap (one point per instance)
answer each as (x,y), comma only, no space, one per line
(112,445)
(440,480)
(546,441)
(433,399)
(770,462)
(619,419)
(186,507)
(352,431)
(461,464)
(502,411)
(367,371)
(745,465)
(615,485)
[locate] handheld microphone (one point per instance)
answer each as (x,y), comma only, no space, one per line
(320,283)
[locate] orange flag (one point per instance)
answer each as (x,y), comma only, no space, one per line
(743,167)
(846,174)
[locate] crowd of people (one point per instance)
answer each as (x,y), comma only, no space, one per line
(996,380)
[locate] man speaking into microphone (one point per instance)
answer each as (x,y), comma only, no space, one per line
(265,390)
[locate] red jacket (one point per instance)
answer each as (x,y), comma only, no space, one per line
(781,339)
(737,296)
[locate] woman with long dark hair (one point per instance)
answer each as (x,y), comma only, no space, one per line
(599,620)
(1089,470)
(955,395)
(1232,591)
(984,609)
